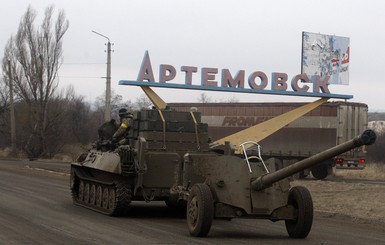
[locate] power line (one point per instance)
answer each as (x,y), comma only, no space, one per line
(81,63)
(80,77)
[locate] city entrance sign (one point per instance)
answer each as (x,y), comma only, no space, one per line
(222,80)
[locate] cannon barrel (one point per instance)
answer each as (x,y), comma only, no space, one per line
(368,137)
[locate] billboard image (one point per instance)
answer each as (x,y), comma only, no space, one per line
(326,55)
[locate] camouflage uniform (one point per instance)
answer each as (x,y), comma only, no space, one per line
(119,135)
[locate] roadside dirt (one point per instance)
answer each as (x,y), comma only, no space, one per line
(356,194)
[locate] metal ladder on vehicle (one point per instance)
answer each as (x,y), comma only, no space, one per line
(247,158)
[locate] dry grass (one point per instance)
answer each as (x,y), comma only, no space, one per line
(5,152)
(350,195)
(372,171)
(68,153)
(357,200)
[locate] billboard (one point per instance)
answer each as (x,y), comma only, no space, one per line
(326,55)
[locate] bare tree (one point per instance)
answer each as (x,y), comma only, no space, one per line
(143,102)
(204,98)
(35,55)
(232,99)
(4,115)
(116,104)
(4,95)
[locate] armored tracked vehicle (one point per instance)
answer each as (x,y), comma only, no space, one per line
(169,158)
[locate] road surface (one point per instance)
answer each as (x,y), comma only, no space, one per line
(36,208)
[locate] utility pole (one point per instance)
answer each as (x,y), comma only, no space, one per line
(12,111)
(107,111)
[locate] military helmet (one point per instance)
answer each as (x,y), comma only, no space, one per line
(124,113)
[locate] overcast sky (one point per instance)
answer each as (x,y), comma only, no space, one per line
(250,35)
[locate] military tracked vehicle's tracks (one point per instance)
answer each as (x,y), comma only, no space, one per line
(109,199)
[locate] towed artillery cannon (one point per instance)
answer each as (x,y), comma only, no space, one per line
(256,191)
(169,159)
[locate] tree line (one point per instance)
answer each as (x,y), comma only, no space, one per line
(46,119)
(69,120)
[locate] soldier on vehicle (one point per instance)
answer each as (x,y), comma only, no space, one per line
(125,120)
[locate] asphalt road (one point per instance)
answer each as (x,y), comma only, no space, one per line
(36,208)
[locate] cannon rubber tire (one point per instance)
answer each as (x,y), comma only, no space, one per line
(320,171)
(300,199)
(200,210)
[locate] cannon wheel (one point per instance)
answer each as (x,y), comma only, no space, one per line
(200,210)
(300,198)
(322,170)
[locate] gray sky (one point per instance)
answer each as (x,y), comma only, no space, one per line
(235,34)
